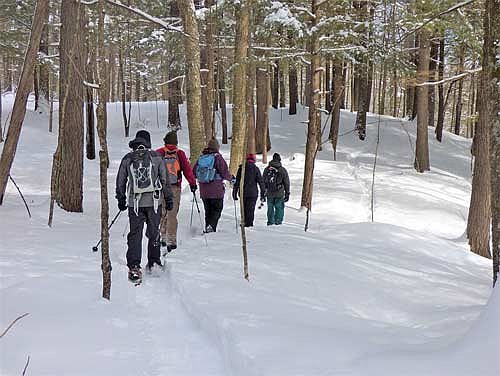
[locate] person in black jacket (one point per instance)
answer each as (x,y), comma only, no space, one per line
(253,178)
(277,185)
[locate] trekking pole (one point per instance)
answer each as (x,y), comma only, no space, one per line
(192,210)
(96,247)
(235,216)
(199,215)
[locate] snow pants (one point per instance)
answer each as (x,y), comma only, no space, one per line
(169,224)
(213,211)
(134,237)
(275,210)
(249,205)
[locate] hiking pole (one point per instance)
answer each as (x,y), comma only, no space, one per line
(96,247)
(192,210)
(235,216)
(199,216)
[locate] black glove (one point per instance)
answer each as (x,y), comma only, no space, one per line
(263,199)
(169,204)
(122,204)
(193,187)
(235,195)
(287,197)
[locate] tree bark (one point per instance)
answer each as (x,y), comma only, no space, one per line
(275,85)
(422,143)
(328,89)
(282,85)
(44,69)
(294,95)
(221,77)
(262,80)
(193,88)
(89,69)
(238,141)
(432,77)
(23,89)
(338,93)
(250,85)
(121,78)
(441,101)
(458,108)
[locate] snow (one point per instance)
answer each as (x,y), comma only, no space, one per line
(400,296)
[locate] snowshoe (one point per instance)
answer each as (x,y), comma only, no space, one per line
(170,248)
(163,243)
(208,229)
(155,268)
(135,275)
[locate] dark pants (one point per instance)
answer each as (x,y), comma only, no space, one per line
(134,238)
(275,210)
(213,210)
(249,205)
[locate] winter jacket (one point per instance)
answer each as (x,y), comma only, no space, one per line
(125,176)
(183,161)
(215,189)
(253,178)
(284,180)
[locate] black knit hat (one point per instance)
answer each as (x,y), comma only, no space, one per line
(276,157)
(171,138)
(143,138)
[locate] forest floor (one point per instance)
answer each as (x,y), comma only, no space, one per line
(398,296)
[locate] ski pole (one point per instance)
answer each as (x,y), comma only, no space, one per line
(235,216)
(199,215)
(96,247)
(192,210)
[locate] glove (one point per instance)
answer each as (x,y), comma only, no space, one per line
(193,187)
(233,180)
(169,204)
(287,197)
(235,195)
(262,199)
(122,204)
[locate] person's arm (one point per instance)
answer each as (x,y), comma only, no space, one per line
(186,168)
(264,180)
(165,186)
(161,151)
(121,179)
(286,183)
(222,169)
(236,186)
(260,181)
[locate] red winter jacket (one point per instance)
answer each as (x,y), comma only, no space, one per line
(183,161)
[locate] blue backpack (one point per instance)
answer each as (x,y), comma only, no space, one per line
(205,170)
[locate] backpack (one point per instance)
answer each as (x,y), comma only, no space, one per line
(273,180)
(205,170)
(173,166)
(141,170)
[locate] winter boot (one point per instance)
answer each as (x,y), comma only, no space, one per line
(154,266)
(135,274)
(209,229)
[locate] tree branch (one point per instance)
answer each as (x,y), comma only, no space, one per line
(12,324)
(454,78)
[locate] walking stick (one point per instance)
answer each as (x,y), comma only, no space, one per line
(96,247)
(199,216)
(235,216)
(192,210)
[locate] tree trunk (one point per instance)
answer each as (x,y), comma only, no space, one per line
(441,104)
(69,154)
(174,98)
(432,77)
(328,89)
(36,91)
(422,143)
(250,85)
(275,85)
(193,87)
(292,81)
(282,85)
(23,89)
(90,134)
(363,75)
(207,101)
(458,108)
(221,77)
(262,80)
(238,141)
(338,92)
(103,155)
(314,125)
(121,78)
(44,69)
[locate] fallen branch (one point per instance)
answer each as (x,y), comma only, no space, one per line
(12,324)
(26,366)
(21,194)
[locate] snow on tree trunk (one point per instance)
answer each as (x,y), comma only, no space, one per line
(238,141)
(193,82)
(422,143)
(23,89)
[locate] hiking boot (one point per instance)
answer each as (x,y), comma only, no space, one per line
(171,247)
(135,274)
(209,229)
(163,242)
(154,266)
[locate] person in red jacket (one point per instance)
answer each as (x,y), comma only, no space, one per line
(177,164)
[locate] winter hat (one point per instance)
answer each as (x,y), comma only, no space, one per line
(171,138)
(142,137)
(251,158)
(213,144)
(276,157)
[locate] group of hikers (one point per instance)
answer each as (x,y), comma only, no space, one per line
(148,185)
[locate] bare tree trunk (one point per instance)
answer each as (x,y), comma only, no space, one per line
(458,108)
(422,143)
(23,89)
(337,98)
(314,121)
(90,134)
(432,77)
(174,94)
(69,154)
(103,155)
(275,85)
(328,89)
(221,77)
(36,90)
(262,80)
(238,141)
(121,78)
(441,101)
(292,81)
(193,87)
(250,85)
(282,85)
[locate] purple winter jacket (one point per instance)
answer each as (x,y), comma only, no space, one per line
(215,189)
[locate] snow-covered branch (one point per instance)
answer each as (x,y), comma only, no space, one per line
(454,78)
(148,17)
(171,80)
(91,85)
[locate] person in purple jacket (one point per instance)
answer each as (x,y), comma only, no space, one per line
(211,170)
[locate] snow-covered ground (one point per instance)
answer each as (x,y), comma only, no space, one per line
(400,296)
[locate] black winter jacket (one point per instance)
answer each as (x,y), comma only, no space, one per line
(284,180)
(253,178)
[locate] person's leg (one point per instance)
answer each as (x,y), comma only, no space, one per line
(249,204)
(279,205)
(208,209)
(153,234)
(270,211)
(172,217)
(163,223)
(134,238)
(217,206)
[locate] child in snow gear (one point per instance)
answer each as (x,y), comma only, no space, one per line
(176,164)
(211,169)
(146,175)
(253,178)
(277,186)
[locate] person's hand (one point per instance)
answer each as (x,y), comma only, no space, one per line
(233,180)
(122,204)
(262,200)
(287,197)
(235,195)
(169,204)
(193,187)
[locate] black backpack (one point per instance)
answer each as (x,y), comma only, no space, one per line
(273,180)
